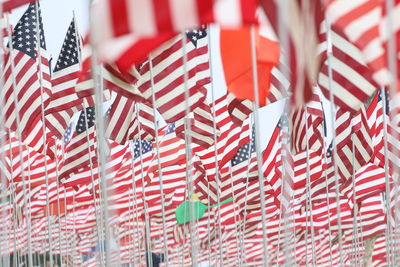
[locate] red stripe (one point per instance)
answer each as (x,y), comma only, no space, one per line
(162,14)
(120,17)
(248,11)
(205,11)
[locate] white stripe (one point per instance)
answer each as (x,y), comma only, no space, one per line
(184,14)
(141,17)
(228,13)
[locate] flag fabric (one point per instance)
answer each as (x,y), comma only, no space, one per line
(239,77)
(369,181)
(151,27)
(172,150)
(352,130)
(9,5)
(124,120)
(375,113)
(27,64)
(64,102)
(168,75)
(112,79)
(308,126)
(81,150)
(302,22)
(352,80)
(201,126)
(366,36)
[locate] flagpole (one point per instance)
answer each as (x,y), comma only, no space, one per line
(258,142)
(392,65)
(308,189)
(334,154)
(14,212)
(145,211)
(284,41)
(58,199)
(3,184)
(387,181)
(188,150)
(98,220)
(95,202)
(158,154)
(39,57)
(215,140)
(18,130)
(136,210)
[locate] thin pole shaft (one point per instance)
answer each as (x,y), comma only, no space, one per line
(39,53)
(387,182)
(100,130)
(188,141)
(334,155)
(215,144)
(392,64)
(258,142)
(19,136)
(308,188)
(158,155)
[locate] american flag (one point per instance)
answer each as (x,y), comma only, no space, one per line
(81,149)
(171,148)
(64,101)
(368,37)
(369,181)
(308,126)
(26,73)
(375,113)
(168,75)
(124,120)
(352,129)
(201,126)
(352,81)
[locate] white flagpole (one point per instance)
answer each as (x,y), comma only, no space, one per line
(334,149)
(12,65)
(258,142)
(136,212)
(308,189)
(188,150)
(355,205)
(100,130)
(392,58)
(39,59)
(215,142)
(158,155)
(3,184)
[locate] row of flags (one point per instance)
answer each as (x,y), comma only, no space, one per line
(334,192)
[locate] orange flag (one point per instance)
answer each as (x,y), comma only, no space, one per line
(236,59)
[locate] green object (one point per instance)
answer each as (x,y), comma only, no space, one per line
(182,212)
